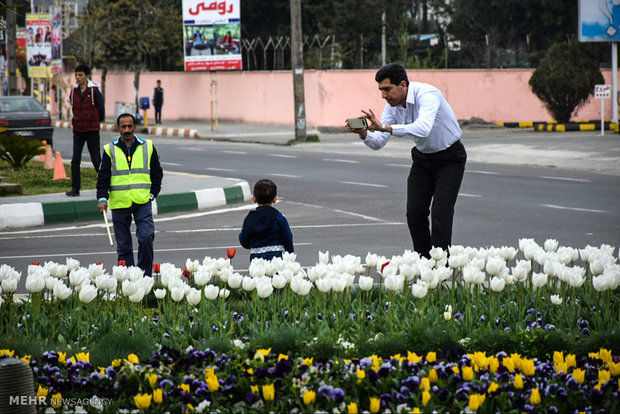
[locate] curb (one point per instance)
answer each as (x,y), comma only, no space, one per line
(160,131)
(555,127)
(38,214)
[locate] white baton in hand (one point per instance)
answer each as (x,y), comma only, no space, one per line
(107,227)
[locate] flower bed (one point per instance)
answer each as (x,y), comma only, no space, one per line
(338,312)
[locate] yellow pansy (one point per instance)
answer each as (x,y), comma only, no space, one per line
(254,389)
(492,388)
(375,404)
(309,397)
(116,363)
(282,357)
(352,408)
(308,361)
(158,396)
(425,383)
(518,382)
(73,360)
(579,375)
(132,359)
(26,359)
(527,367)
(265,352)
(431,357)
(535,396)
(413,358)
(468,373)
(426,396)
(456,370)
(142,401)
(361,374)
(432,375)
(189,408)
(7,352)
(475,401)
(83,356)
(42,392)
(269,391)
(62,357)
(152,379)
(56,400)
(184,387)
(101,370)
(398,357)
(416,410)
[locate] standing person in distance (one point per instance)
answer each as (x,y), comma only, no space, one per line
(158,101)
(419,111)
(129,180)
(88,113)
(265,230)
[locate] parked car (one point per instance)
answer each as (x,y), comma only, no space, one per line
(25,116)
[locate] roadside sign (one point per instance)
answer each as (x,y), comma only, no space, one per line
(602,91)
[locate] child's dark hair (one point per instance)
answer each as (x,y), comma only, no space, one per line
(265,191)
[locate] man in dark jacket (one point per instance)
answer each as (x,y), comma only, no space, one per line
(158,101)
(88,112)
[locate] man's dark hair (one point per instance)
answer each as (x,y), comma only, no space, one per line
(394,72)
(83,68)
(125,115)
(265,191)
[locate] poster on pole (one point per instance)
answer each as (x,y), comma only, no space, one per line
(39,45)
(212,35)
(599,21)
(56,22)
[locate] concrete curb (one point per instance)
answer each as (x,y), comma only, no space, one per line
(21,215)
(555,127)
(160,131)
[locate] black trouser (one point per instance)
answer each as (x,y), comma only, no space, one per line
(157,113)
(434,177)
(91,138)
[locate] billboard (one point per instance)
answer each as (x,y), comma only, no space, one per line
(56,22)
(599,21)
(212,35)
(39,45)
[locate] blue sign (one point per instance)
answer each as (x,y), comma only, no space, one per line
(599,20)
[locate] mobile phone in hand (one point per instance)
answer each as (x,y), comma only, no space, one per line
(357,123)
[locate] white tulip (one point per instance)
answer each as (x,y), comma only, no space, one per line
(264,288)
(429,276)
(78,277)
(137,296)
(551,245)
(576,276)
(456,249)
(539,280)
(134,273)
(324,284)
(106,282)
(497,284)
(191,266)
(278,281)
(95,270)
(120,273)
(248,284)
(177,293)
(257,267)
(495,265)
(202,276)
(87,293)
(224,293)
(338,284)
(389,270)
(35,284)
(324,257)
(371,260)
(473,275)
(447,315)
(305,287)
(601,283)
(289,257)
(129,287)
(224,274)
(146,283)
(551,267)
(418,290)
(477,262)
(394,282)
(365,283)
(9,285)
(458,260)
(160,293)
(556,299)
(235,280)
(438,254)
(508,253)
(194,296)
(51,282)
(34,270)
(61,291)
(211,292)
(7,272)
(72,264)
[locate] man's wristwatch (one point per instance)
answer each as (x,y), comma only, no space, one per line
(383,126)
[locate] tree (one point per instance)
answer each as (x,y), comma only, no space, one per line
(565,79)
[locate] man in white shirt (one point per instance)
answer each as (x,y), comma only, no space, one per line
(418,111)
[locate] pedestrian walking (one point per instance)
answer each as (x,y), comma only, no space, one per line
(419,111)
(158,101)
(88,113)
(129,180)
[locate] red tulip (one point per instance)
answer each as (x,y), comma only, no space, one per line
(36,263)
(383,265)
(231,252)
(121,263)
(99,263)
(186,272)
(156,267)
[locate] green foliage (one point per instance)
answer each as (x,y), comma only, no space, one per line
(17,150)
(120,343)
(565,79)
(283,339)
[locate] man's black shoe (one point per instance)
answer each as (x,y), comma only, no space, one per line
(73,193)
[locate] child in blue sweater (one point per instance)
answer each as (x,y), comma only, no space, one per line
(265,230)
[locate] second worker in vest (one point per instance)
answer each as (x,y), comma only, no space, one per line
(129,179)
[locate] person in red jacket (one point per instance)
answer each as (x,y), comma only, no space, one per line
(88,112)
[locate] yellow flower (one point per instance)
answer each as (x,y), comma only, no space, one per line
(571,360)
(308,361)
(413,358)
(558,358)
(62,357)
(375,404)
(468,373)
(142,401)
(431,357)
(561,367)
(614,368)
(152,379)
(212,382)
(361,374)
(254,389)
(493,364)
(26,359)
(426,396)
(101,370)
(479,359)
(456,370)
(579,375)
(281,357)
(265,352)
(376,363)
(475,401)
(604,355)
(603,376)
(116,363)
(492,388)
(509,364)
(518,382)
(432,375)
(535,397)
(184,387)
(132,359)
(7,352)
(527,367)
(416,410)
(398,357)
(189,408)
(158,396)
(268,391)
(352,408)
(56,400)
(309,397)
(84,357)
(425,384)
(42,392)
(72,360)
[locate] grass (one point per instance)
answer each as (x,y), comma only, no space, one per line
(37,180)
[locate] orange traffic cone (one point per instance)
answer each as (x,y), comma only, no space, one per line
(49,158)
(59,168)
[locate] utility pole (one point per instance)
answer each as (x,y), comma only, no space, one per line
(11,23)
(297,65)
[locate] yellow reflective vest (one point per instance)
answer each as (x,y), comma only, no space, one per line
(130,182)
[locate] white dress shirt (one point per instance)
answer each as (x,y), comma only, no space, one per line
(427,119)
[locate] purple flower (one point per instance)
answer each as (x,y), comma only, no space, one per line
(482,318)
(507,329)
(320,316)
(412,383)
(385,370)
(458,315)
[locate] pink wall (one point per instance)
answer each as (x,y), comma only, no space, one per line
(501,95)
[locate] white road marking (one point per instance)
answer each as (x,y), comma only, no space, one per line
(286,175)
(174,164)
(221,169)
(577,180)
(307,226)
(340,160)
(235,152)
(283,156)
(399,165)
(364,184)
(483,172)
(469,195)
(588,210)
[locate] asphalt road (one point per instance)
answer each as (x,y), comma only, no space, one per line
(345,199)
